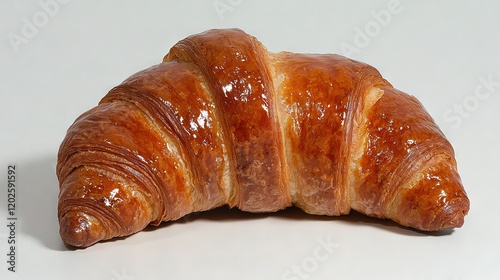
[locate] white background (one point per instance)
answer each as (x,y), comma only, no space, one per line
(58,59)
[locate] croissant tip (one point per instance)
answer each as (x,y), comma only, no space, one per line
(80,230)
(455,213)
(452,215)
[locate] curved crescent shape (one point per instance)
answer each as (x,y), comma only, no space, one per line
(222,121)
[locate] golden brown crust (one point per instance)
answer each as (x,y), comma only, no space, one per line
(244,95)
(404,147)
(173,95)
(222,121)
(319,97)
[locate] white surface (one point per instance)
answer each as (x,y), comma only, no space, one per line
(439,52)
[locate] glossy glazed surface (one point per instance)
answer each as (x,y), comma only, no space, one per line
(244,95)
(222,121)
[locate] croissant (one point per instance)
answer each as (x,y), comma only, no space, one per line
(223,121)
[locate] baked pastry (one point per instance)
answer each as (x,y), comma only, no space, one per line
(223,121)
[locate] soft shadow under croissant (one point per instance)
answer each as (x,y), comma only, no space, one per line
(222,121)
